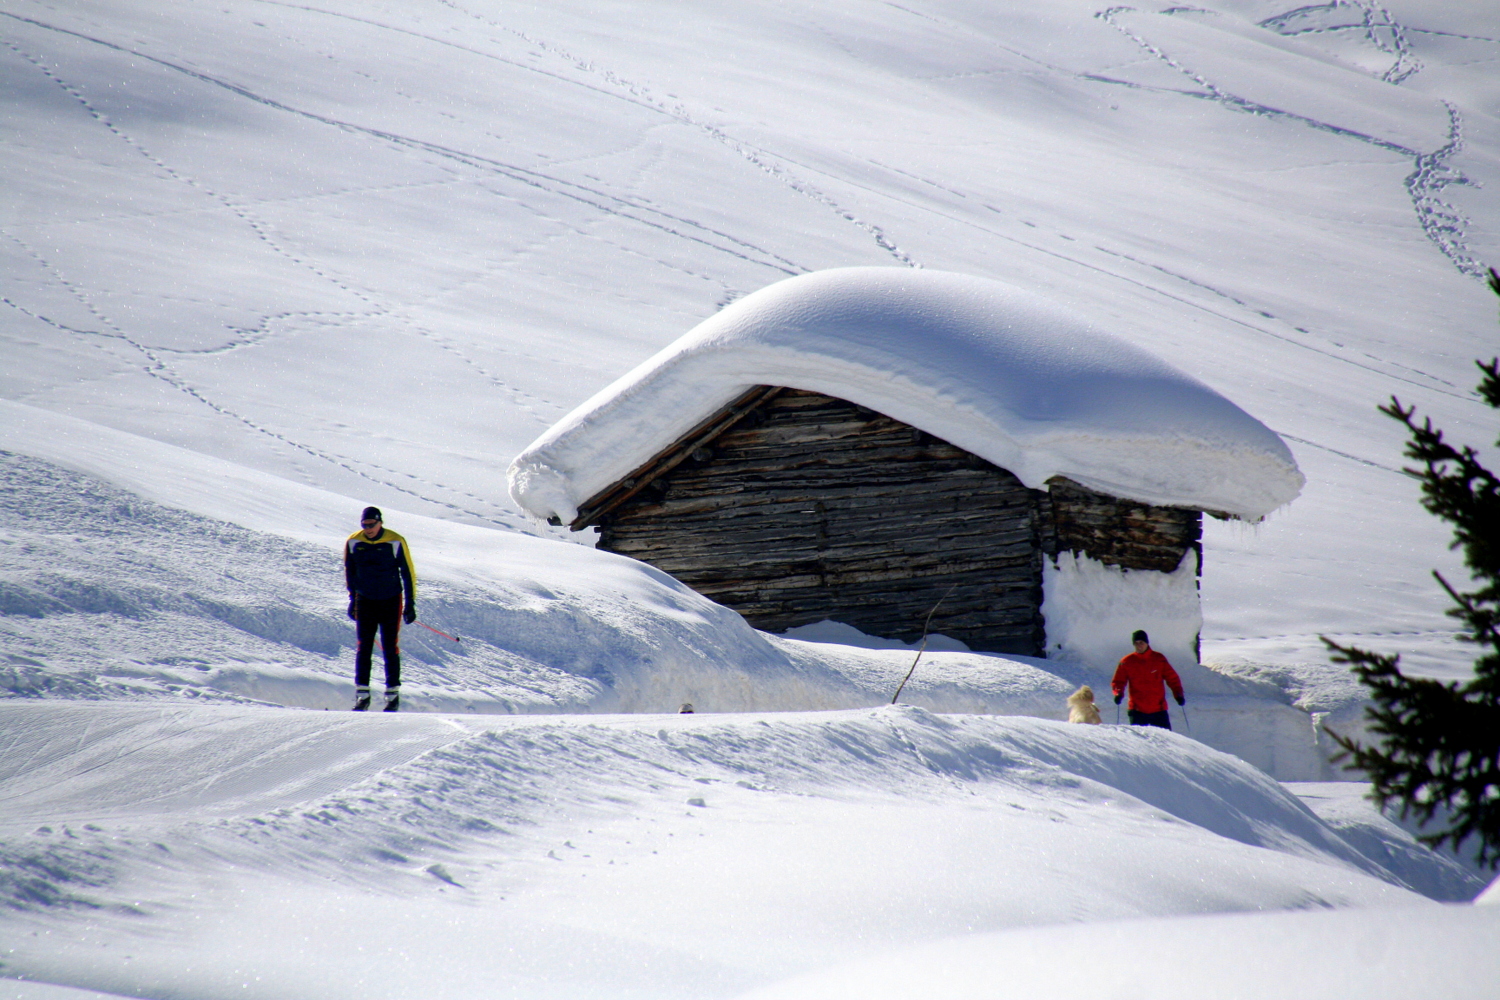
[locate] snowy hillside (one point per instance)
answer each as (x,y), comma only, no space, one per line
(265,263)
(379,250)
(667,856)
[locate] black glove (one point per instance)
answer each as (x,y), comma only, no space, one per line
(1182,699)
(1119,698)
(353,607)
(410,614)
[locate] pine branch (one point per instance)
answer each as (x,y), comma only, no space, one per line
(1439,746)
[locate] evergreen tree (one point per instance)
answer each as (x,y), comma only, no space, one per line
(1440,746)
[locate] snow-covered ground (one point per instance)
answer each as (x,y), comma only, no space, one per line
(194,850)
(265,263)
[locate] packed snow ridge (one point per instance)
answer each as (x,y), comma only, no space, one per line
(991,368)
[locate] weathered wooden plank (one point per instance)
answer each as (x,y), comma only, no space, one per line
(838,493)
(813,592)
(936,518)
(912,572)
(1121,532)
(705,431)
(747,560)
(729,511)
(845,559)
(824,481)
(810,507)
(976,533)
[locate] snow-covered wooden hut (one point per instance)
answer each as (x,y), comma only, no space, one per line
(856,444)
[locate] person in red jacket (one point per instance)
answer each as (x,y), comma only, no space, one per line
(1144,672)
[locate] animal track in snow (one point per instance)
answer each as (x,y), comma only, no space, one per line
(1441,222)
(1376,25)
(256,226)
(603,201)
(157,368)
(760,158)
(1378,365)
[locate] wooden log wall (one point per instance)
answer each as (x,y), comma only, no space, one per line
(811,508)
(794,507)
(1120,532)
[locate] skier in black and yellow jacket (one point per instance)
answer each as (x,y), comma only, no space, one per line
(382,591)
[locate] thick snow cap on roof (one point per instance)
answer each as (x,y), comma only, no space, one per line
(993,369)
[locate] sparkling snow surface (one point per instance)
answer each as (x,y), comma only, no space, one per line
(268,262)
(979,364)
(211,851)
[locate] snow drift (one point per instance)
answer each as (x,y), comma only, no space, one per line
(627,856)
(348,253)
(112,590)
(983,365)
(1372,954)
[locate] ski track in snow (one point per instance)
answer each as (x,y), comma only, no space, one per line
(1442,223)
(1438,219)
(632,95)
(595,198)
(1342,454)
(157,367)
(763,159)
(242,212)
(1428,176)
(599,199)
(1373,363)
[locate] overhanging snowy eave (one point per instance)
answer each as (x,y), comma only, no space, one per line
(986,367)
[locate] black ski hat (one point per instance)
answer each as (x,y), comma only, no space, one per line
(1138,636)
(371,514)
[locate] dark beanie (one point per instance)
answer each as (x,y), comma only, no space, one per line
(1139,636)
(373,514)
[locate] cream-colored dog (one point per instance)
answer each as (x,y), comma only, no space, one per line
(1081,707)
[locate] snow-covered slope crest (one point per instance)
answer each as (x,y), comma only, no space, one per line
(981,364)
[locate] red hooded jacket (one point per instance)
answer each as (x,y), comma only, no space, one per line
(1144,673)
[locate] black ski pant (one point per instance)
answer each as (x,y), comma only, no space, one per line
(1161,719)
(372,614)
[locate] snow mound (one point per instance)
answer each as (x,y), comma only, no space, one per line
(642,856)
(109,595)
(840,634)
(1090,605)
(983,365)
(155,602)
(1388,953)
(276,773)
(1447,875)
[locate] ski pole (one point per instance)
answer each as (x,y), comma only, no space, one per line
(440,632)
(1185,720)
